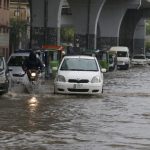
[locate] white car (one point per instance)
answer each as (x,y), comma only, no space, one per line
(139,59)
(79,75)
(148,58)
(15,61)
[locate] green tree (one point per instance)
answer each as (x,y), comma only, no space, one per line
(147,27)
(67,34)
(18,29)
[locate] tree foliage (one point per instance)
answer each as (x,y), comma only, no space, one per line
(67,34)
(18,28)
(147,27)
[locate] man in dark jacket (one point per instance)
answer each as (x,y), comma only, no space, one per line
(32,63)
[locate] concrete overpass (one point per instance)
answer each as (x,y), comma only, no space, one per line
(97,23)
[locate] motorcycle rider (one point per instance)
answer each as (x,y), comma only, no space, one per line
(32,62)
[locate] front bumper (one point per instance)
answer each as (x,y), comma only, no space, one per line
(18,79)
(78,88)
(139,63)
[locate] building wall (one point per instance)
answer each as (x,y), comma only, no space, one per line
(19,10)
(4,28)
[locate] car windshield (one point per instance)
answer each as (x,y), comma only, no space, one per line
(79,64)
(138,57)
(1,64)
(121,54)
(148,57)
(16,60)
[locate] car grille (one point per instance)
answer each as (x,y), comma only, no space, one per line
(78,81)
(78,90)
(18,75)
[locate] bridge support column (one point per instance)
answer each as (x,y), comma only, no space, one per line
(46,19)
(37,23)
(139,38)
(110,20)
(85,16)
(127,29)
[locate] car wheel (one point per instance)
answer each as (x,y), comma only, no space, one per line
(55,90)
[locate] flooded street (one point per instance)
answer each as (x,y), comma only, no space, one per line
(117,120)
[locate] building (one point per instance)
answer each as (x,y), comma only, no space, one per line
(20,9)
(4,28)
(19,13)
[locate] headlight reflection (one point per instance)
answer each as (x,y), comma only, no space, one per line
(33,104)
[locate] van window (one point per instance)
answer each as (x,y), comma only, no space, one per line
(121,54)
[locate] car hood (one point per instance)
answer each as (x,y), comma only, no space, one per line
(80,74)
(16,70)
(138,60)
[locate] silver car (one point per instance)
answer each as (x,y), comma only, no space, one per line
(4,82)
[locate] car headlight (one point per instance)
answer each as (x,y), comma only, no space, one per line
(96,79)
(60,78)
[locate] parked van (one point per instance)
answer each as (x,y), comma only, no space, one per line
(4,82)
(123,60)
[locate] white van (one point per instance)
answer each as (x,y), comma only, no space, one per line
(123,60)
(4,81)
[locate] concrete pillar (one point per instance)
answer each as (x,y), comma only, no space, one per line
(110,20)
(128,26)
(46,20)
(54,21)
(139,38)
(85,17)
(37,23)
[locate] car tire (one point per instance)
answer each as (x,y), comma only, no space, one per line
(55,90)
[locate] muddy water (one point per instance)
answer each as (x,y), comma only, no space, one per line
(117,120)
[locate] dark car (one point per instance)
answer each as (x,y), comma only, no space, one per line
(4,82)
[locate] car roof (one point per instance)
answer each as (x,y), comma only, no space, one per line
(119,48)
(80,56)
(20,54)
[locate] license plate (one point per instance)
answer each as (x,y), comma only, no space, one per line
(77,86)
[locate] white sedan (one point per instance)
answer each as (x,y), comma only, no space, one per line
(139,59)
(79,75)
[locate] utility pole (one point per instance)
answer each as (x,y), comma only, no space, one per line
(30,43)
(18,22)
(88,23)
(45,20)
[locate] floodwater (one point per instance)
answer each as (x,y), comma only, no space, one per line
(119,119)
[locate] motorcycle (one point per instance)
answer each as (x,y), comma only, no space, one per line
(34,80)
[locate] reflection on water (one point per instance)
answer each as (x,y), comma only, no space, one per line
(119,119)
(33,103)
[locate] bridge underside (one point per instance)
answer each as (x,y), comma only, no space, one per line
(97,23)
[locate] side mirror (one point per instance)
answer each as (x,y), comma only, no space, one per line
(103,70)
